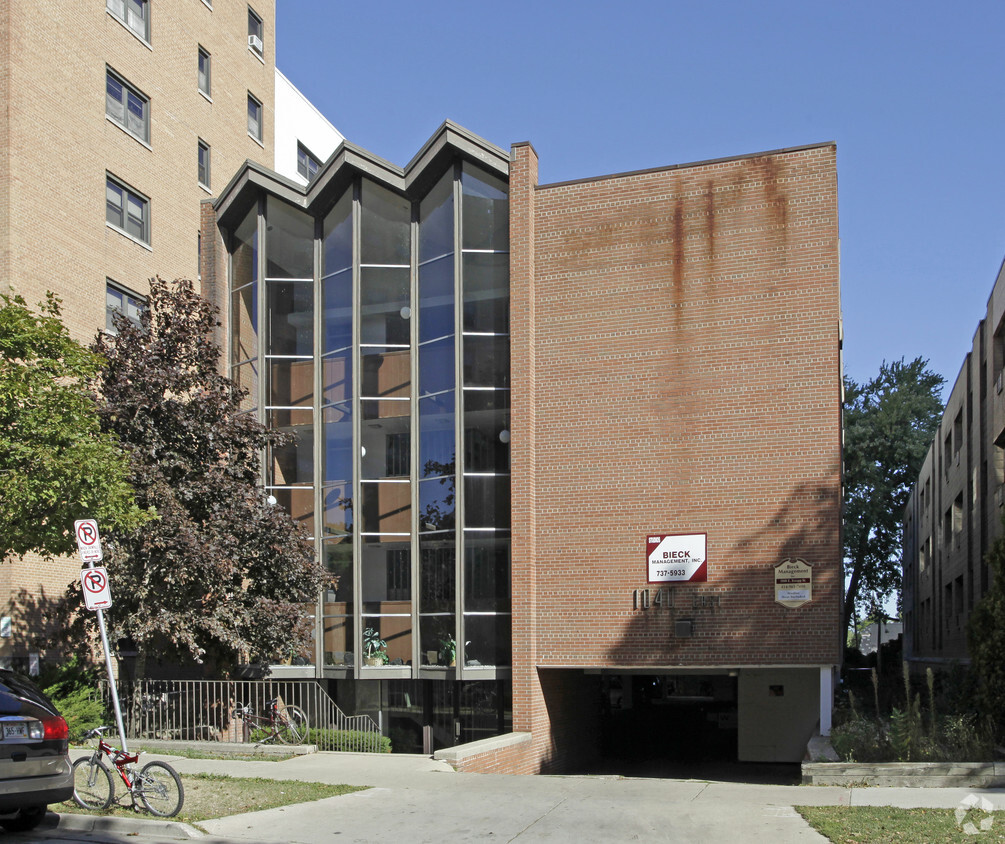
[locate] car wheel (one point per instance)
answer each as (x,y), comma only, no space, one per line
(27,818)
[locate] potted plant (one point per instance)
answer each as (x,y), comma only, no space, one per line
(374,648)
(448,650)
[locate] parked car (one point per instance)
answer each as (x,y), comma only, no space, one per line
(34,754)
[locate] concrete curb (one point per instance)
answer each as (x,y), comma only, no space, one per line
(163,829)
(222,749)
(906,774)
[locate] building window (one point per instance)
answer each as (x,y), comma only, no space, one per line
(126,106)
(119,300)
(256,32)
(133,13)
(126,210)
(203,163)
(254,118)
(307,164)
(204,71)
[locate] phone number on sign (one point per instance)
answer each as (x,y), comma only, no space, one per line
(670,572)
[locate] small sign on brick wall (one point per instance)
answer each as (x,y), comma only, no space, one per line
(793,583)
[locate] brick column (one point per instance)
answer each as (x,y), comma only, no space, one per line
(529,713)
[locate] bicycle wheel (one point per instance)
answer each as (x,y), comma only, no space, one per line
(93,786)
(291,725)
(159,789)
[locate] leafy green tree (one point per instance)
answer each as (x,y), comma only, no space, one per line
(889,423)
(56,464)
(223,571)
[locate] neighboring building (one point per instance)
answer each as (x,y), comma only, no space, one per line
(511,402)
(304,139)
(954,512)
(144,110)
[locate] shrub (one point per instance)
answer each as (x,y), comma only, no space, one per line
(347,740)
(72,686)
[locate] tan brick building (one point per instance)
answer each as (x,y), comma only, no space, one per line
(118,118)
(574,449)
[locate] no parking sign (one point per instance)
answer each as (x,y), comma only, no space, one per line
(97,594)
(88,541)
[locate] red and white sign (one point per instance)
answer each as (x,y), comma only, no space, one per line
(676,558)
(97,594)
(88,541)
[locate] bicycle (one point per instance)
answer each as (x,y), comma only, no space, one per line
(157,785)
(287,723)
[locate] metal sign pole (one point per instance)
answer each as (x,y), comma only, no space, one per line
(111,678)
(96,591)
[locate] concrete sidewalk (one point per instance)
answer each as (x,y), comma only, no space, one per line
(417,799)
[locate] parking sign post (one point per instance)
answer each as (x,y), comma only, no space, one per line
(97,596)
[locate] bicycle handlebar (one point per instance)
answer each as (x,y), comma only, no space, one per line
(97,731)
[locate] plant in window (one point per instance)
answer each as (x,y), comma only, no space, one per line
(374,648)
(448,650)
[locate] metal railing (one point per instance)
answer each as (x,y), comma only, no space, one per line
(203,710)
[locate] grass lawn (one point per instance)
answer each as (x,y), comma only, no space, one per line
(210,796)
(882,824)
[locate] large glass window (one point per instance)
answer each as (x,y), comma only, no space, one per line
(254,118)
(127,210)
(126,106)
(289,344)
(120,302)
(203,163)
(307,163)
(135,14)
(414,500)
(205,71)
(256,32)
(485,377)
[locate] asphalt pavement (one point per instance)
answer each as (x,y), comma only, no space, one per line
(418,799)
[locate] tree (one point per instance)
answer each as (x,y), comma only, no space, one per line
(889,423)
(223,572)
(56,464)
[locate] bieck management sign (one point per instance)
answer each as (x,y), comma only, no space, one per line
(677,558)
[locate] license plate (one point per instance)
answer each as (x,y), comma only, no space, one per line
(17,730)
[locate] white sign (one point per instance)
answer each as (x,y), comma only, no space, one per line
(677,558)
(97,594)
(88,541)
(793,583)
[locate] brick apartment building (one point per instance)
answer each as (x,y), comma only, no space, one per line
(573,449)
(954,513)
(119,118)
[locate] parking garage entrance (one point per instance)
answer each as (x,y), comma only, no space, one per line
(654,723)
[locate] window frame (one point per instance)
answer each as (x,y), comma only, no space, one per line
(311,157)
(256,27)
(206,77)
(129,92)
(119,9)
(126,293)
(204,148)
(252,99)
(127,193)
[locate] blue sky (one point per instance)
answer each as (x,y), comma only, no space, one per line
(913,94)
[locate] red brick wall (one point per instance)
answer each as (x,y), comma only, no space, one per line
(514,759)
(675,369)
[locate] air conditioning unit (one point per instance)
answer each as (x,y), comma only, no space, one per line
(255,43)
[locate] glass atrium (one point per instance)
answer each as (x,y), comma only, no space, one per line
(373,327)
